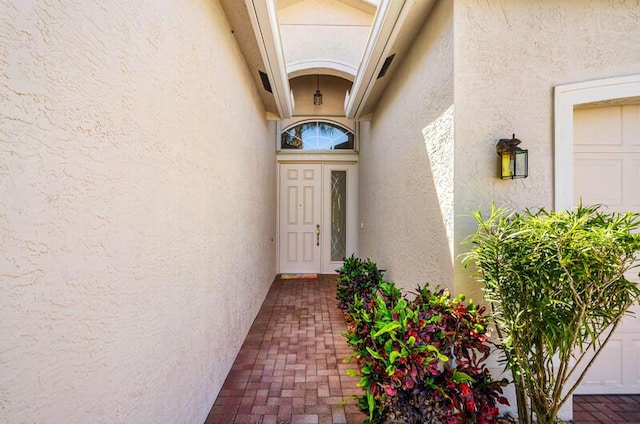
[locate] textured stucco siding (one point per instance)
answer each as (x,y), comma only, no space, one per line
(137,209)
(509,55)
(329,31)
(333,91)
(406,163)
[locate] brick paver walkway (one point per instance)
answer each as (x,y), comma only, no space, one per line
(290,367)
(610,409)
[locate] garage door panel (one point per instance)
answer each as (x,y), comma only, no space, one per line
(633,185)
(594,183)
(598,127)
(606,374)
(633,367)
(631,126)
(630,324)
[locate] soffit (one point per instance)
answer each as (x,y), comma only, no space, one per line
(395,27)
(254,24)
(323,37)
(258,39)
(367,6)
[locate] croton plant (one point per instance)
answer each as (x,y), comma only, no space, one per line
(422,359)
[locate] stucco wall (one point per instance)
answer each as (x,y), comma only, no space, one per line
(333,91)
(324,31)
(137,210)
(509,55)
(406,163)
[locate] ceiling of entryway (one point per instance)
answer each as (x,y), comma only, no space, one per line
(368,6)
(361,41)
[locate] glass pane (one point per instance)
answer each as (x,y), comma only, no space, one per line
(316,136)
(521,163)
(338,215)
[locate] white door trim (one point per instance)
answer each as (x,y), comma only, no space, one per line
(566,97)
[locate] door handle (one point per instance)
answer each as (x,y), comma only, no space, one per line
(318,235)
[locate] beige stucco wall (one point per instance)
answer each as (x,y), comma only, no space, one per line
(509,55)
(333,91)
(137,211)
(323,31)
(406,163)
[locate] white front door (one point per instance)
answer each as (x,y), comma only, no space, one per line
(317,216)
(300,217)
(607,171)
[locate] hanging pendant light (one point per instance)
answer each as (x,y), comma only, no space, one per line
(317,98)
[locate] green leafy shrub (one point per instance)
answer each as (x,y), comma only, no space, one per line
(556,284)
(421,360)
(470,393)
(356,277)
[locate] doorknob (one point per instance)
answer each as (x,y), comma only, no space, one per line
(318,235)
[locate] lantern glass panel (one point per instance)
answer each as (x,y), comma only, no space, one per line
(521,165)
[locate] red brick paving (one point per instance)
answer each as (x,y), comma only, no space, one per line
(606,409)
(290,370)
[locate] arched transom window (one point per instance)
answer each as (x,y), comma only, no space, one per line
(317,135)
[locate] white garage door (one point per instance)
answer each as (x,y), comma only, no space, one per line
(607,172)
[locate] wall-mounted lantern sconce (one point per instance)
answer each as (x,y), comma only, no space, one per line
(317,98)
(514,161)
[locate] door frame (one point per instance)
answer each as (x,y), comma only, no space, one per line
(566,98)
(608,91)
(330,161)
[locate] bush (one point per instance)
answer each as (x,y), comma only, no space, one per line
(356,277)
(556,283)
(470,392)
(421,360)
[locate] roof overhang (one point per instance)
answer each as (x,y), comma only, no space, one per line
(324,67)
(368,6)
(261,46)
(395,26)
